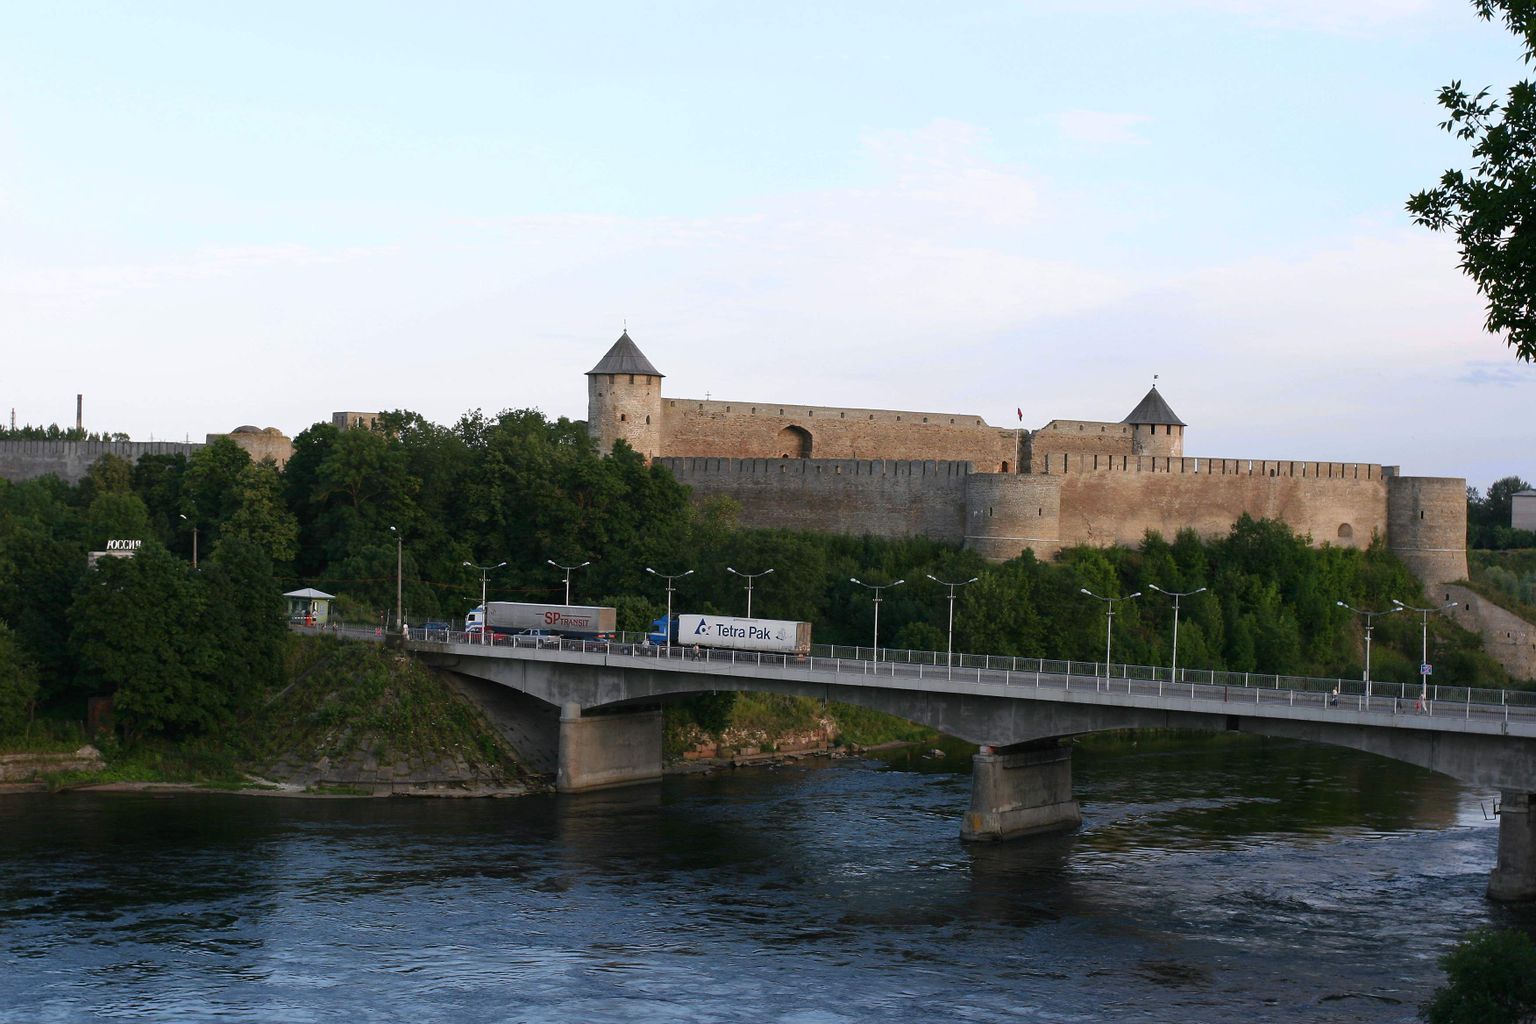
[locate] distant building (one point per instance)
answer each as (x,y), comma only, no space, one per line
(309,606)
(1522,510)
(354,420)
(259,443)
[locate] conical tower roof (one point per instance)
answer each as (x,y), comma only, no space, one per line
(625,357)
(1152,409)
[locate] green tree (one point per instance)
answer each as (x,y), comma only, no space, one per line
(18,685)
(261,517)
(1490,978)
(211,486)
(115,515)
(137,628)
(1492,207)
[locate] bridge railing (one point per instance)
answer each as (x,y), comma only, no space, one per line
(859,660)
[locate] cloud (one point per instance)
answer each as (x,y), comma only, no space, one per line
(1505,375)
(1349,17)
(1101,127)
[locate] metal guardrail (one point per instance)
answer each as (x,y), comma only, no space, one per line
(1385,698)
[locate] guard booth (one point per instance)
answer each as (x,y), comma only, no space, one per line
(309,607)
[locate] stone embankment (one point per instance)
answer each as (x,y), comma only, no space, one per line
(35,768)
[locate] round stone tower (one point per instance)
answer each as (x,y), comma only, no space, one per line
(624,400)
(1155,429)
(1427,526)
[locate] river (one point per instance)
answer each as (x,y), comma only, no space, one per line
(1214,879)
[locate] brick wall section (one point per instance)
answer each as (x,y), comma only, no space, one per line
(1522,511)
(691,427)
(1340,503)
(883,498)
(70,460)
(1507,637)
(1086,437)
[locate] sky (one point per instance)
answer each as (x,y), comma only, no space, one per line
(220,214)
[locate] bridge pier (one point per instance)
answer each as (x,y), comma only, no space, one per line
(1515,878)
(607,750)
(1025,791)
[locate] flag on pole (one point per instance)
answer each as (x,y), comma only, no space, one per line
(1021,415)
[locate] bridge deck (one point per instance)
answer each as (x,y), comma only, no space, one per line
(1130,688)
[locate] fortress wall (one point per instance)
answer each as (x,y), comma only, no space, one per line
(1007,513)
(1342,504)
(1088,437)
(853,496)
(758,430)
(70,460)
(1427,525)
(1076,462)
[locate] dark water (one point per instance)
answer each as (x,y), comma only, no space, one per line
(1212,881)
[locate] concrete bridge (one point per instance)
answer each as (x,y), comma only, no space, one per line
(590,711)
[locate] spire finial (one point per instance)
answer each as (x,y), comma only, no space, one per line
(1154,380)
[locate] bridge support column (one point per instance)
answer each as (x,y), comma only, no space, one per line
(1023,792)
(602,751)
(1515,877)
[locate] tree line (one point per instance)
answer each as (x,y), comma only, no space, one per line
(182,649)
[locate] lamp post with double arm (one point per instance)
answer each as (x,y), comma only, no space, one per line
(1109,621)
(876,589)
(1370,624)
(749,577)
(485,572)
(1424,642)
(670,578)
(949,651)
(567,569)
(1173,673)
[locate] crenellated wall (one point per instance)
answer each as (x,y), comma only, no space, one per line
(884,498)
(762,430)
(1079,437)
(70,460)
(1088,499)
(1118,500)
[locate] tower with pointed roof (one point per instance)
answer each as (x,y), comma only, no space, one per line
(624,399)
(1155,429)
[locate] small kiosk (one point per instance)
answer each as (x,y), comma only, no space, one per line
(309,606)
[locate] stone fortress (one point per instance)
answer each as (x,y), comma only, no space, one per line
(1000,491)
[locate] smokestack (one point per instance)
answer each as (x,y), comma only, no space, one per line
(79,413)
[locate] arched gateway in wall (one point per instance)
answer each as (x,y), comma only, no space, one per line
(794,443)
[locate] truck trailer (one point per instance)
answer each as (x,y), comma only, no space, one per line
(511,618)
(779,636)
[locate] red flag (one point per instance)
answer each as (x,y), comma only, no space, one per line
(1021,415)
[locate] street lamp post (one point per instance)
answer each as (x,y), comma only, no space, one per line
(949,653)
(749,577)
(877,590)
(1370,619)
(568,569)
(399,578)
(1173,673)
(1109,621)
(669,577)
(485,571)
(194,540)
(1424,642)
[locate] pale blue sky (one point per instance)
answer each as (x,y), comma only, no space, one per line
(213,215)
